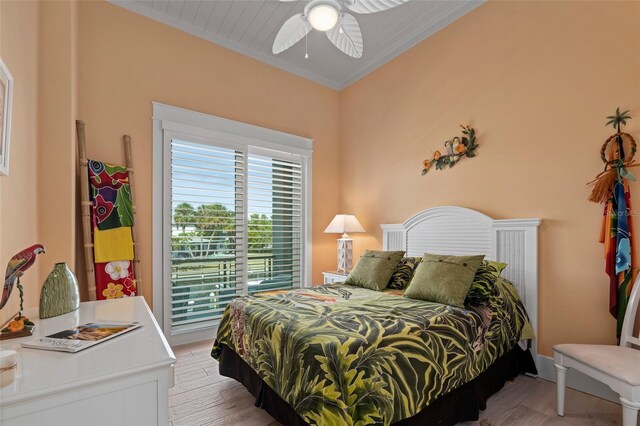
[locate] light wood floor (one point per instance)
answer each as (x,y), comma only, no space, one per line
(201,396)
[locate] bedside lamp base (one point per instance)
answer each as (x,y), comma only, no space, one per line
(345,254)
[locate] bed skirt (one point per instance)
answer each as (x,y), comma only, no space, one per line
(460,405)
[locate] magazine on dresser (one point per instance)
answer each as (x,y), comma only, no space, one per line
(82,337)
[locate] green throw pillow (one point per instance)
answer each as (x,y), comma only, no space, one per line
(403,274)
(374,269)
(483,282)
(444,279)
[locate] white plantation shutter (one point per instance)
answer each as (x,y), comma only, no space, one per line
(208,231)
(275,219)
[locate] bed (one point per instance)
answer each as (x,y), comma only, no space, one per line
(345,355)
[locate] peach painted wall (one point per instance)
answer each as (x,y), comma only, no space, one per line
(536,80)
(126,61)
(18,191)
(56,134)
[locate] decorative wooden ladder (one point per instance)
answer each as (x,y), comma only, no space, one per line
(86,210)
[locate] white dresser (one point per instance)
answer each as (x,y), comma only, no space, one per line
(123,381)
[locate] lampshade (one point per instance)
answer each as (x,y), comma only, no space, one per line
(344,223)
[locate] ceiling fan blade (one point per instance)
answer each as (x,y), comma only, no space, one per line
(371,6)
(350,39)
(294,29)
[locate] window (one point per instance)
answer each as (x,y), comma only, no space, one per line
(233,218)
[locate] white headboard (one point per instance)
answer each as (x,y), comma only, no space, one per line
(462,231)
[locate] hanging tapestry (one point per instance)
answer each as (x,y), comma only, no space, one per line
(115,280)
(112,244)
(619,250)
(110,196)
(611,188)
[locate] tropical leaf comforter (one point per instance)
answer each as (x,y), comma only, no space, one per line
(344,355)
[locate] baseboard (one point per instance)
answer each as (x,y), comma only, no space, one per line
(576,380)
(193,336)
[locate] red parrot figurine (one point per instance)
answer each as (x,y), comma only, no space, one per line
(15,269)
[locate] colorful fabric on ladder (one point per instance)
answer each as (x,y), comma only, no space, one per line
(112,244)
(115,280)
(616,232)
(110,195)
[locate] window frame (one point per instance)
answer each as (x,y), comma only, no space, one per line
(170,123)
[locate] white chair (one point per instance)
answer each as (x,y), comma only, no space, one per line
(616,366)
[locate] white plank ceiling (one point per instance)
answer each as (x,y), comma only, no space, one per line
(250,26)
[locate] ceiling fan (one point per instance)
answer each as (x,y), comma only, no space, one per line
(329,16)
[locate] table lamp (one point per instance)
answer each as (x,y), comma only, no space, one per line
(341,224)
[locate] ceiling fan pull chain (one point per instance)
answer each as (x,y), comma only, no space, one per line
(306,50)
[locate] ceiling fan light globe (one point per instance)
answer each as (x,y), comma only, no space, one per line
(323,17)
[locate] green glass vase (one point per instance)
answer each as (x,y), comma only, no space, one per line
(60,293)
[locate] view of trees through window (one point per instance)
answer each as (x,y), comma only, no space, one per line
(210,229)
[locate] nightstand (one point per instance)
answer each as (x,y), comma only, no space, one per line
(334,277)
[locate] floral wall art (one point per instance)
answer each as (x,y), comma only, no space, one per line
(456,149)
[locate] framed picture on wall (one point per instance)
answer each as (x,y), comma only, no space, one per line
(6,93)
